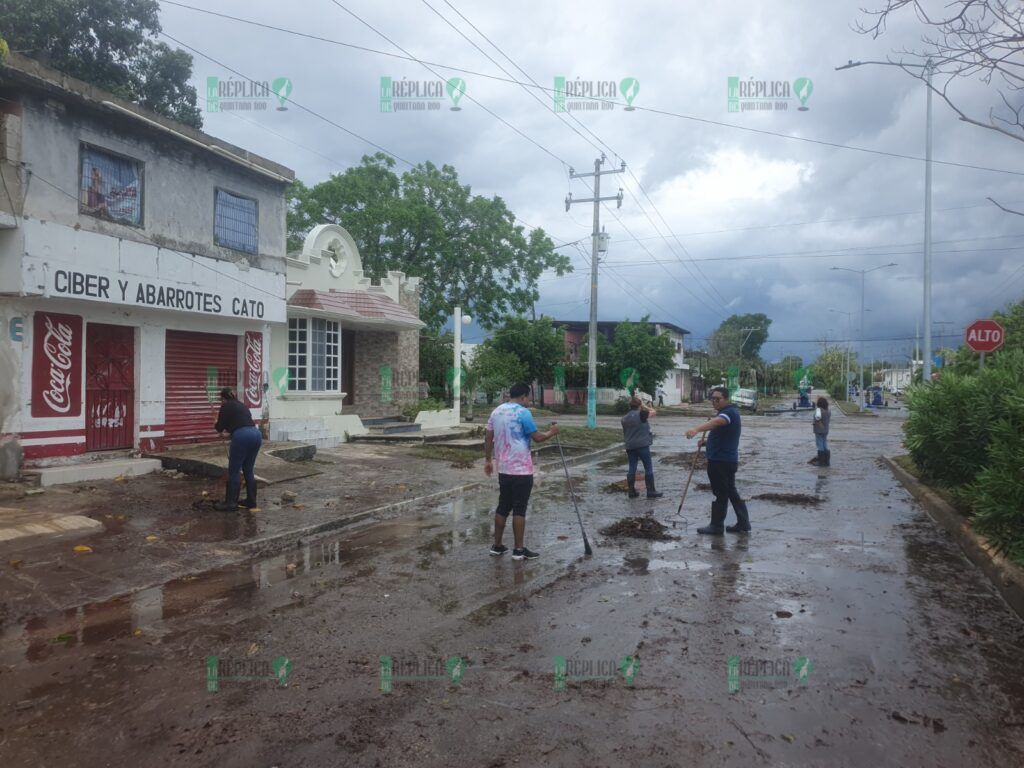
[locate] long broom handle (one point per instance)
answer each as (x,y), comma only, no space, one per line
(572,493)
(686,490)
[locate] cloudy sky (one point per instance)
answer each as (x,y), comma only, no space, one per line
(700,198)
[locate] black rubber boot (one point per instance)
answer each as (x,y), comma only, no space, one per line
(826,459)
(816,459)
(652,493)
(250,497)
(230,503)
(631,481)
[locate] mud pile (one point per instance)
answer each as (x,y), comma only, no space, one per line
(637,528)
(790,498)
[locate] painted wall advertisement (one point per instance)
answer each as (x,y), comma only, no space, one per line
(56,365)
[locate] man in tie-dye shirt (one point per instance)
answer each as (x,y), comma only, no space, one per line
(509,432)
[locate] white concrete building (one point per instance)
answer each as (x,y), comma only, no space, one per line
(142,263)
(677,381)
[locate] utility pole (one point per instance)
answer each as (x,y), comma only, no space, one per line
(598,239)
(927,369)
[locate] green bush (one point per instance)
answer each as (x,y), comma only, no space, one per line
(410,412)
(621,405)
(966,432)
(948,427)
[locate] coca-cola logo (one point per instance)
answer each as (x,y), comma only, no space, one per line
(57,346)
(253,367)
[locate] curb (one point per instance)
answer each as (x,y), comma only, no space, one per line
(1007,577)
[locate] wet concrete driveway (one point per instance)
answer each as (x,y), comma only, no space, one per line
(846,632)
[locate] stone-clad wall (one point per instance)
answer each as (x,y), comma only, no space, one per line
(397,350)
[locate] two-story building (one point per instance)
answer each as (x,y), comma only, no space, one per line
(142,263)
(677,383)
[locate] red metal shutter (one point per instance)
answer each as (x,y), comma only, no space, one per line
(197,366)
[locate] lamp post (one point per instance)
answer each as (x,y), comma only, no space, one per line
(862,273)
(928,68)
(460,320)
(846,357)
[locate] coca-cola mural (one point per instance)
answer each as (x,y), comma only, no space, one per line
(252,375)
(56,365)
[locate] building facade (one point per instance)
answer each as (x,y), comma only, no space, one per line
(142,263)
(350,349)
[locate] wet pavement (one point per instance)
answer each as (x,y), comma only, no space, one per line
(849,632)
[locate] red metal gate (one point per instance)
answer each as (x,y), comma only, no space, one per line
(197,366)
(109,387)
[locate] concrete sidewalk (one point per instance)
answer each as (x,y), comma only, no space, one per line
(142,532)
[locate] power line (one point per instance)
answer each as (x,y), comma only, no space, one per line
(652,110)
(291,101)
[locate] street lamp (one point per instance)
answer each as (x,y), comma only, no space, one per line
(460,320)
(846,358)
(862,273)
(928,68)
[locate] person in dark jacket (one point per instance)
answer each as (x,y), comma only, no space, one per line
(636,432)
(236,420)
(822,417)
(723,455)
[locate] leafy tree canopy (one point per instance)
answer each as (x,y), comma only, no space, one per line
(731,343)
(537,344)
(108,43)
(467,249)
(635,346)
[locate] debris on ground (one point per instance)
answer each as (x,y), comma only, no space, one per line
(288,497)
(684,459)
(621,486)
(638,528)
(789,498)
(703,486)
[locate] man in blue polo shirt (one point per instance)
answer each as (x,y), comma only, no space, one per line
(723,454)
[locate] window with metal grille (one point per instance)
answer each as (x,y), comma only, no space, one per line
(110,186)
(235,222)
(297,356)
(314,355)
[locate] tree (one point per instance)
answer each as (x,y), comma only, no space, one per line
(496,370)
(437,353)
(537,344)
(966,38)
(829,367)
(636,346)
(1012,320)
(467,249)
(109,43)
(730,343)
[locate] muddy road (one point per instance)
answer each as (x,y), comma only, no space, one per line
(844,631)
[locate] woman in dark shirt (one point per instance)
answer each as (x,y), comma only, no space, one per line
(246,440)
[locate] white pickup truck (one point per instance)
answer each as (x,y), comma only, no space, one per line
(746,398)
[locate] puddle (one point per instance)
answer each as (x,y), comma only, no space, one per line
(679,565)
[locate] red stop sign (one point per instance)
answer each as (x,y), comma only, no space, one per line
(984,335)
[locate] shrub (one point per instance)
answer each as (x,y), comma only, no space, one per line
(410,412)
(621,405)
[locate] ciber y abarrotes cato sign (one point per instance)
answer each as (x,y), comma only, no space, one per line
(225,297)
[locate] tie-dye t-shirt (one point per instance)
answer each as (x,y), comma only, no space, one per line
(512,425)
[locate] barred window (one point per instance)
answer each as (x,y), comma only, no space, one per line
(314,355)
(297,358)
(235,222)
(110,186)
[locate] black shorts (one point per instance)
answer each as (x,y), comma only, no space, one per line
(513,494)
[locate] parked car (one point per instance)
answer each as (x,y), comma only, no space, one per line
(746,398)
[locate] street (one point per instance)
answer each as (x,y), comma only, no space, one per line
(845,630)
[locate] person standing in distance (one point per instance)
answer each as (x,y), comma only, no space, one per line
(637,436)
(723,455)
(510,429)
(236,419)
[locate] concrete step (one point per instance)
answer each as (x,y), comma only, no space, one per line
(382,420)
(94,470)
(391,428)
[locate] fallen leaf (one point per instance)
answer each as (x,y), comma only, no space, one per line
(788,737)
(298,506)
(137,633)
(206,493)
(15,563)
(151,537)
(784,614)
(82,548)
(254,648)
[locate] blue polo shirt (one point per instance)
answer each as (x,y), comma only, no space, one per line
(724,442)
